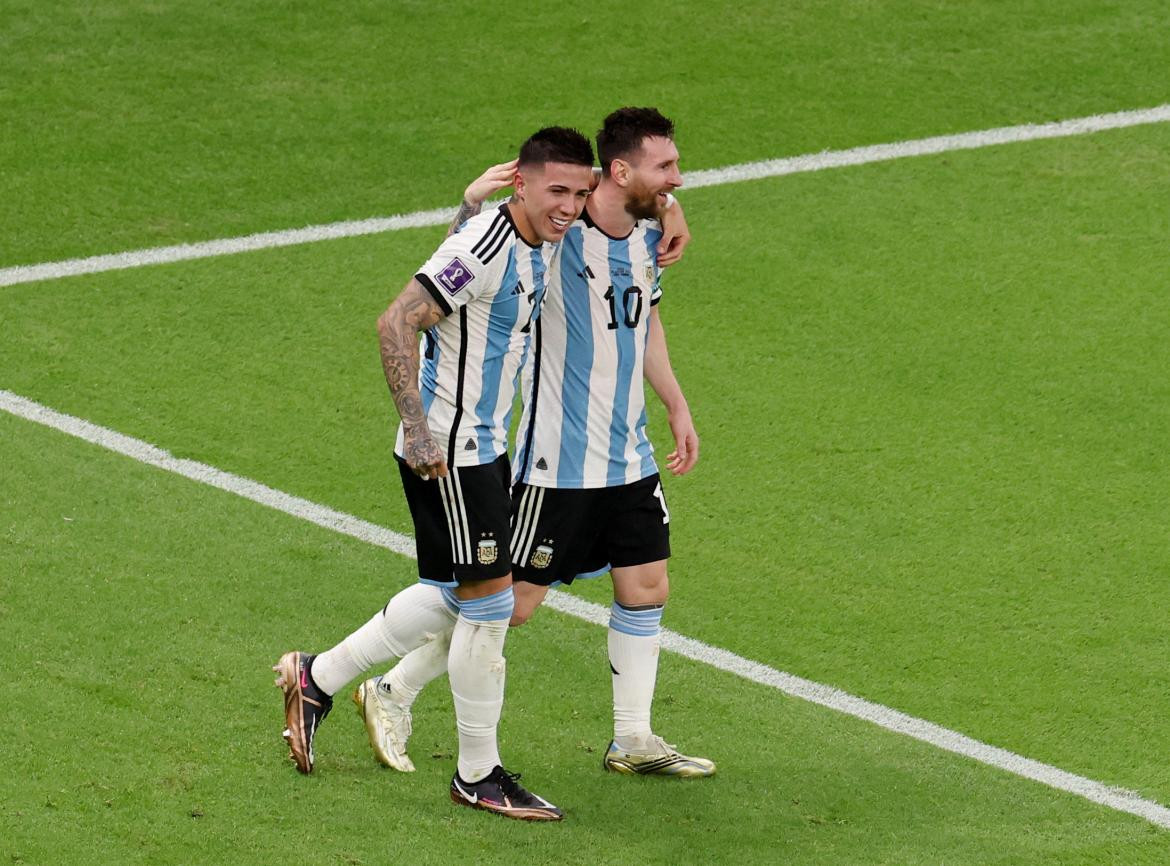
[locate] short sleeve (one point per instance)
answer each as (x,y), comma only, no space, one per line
(653,271)
(457,273)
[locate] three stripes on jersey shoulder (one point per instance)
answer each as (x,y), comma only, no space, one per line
(493,239)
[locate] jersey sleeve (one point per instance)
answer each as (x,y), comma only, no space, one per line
(653,271)
(455,273)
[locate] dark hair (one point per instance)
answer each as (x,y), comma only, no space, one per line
(556,144)
(621,133)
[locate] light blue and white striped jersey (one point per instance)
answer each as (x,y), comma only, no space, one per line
(584,419)
(490,282)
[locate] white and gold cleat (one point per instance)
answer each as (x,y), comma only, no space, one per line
(388,725)
(658,759)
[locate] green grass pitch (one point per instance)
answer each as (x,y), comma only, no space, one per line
(933,396)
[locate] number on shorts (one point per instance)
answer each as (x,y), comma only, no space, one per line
(662,501)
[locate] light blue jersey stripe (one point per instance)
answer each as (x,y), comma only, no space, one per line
(653,236)
(538,287)
(620,276)
(578,360)
(430,369)
(501,321)
(643,447)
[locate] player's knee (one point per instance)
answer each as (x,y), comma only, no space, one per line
(659,587)
(519,617)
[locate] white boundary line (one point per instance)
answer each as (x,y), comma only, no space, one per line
(1115,798)
(709,177)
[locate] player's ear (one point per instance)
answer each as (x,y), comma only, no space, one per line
(518,185)
(619,170)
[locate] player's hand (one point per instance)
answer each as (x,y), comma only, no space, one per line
(675,235)
(493,180)
(423,455)
(682,459)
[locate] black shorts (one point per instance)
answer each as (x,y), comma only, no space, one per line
(460,522)
(559,535)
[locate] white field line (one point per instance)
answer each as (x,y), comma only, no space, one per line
(708,177)
(1115,798)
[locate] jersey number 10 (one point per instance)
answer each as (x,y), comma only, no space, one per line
(631,317)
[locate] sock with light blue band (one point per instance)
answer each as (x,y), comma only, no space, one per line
(489,608)
(642,621)
(633,660)
(475,668)
(451,599)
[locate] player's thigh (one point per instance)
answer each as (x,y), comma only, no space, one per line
(432,530)
(461,527)
(636,540)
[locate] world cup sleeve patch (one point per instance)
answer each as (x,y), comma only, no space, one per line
(455,276)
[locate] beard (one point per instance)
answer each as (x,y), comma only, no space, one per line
(643,204)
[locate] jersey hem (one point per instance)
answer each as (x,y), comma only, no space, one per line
(583,485)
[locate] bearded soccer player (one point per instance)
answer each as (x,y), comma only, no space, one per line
(587,497)
(475,300)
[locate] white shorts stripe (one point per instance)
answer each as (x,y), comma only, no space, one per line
(446,496)
(530,529)
(461,511)
(518,527)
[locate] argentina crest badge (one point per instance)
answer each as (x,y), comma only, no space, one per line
(486,551)
(542,556)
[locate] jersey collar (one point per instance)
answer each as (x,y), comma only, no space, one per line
(589,222)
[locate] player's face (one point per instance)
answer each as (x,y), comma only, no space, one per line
(653,173)
(553,195)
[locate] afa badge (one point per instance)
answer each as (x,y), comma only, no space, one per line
(486,552)
(541,557)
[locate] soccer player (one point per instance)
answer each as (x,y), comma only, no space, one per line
(587,498)
(475,300)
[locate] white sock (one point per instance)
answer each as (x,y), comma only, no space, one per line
(405,680)
(476,669)
(633,658)
(404,623)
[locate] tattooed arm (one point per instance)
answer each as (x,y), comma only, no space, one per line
(493,180)
(412,311)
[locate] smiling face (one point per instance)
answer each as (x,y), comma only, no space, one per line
(650,173)
(551,197)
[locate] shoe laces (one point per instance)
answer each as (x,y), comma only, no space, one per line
(397,716)
(509,783)
(657,742)
(403,725)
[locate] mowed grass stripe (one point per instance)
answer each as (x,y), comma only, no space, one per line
(707,177)
(827,696)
